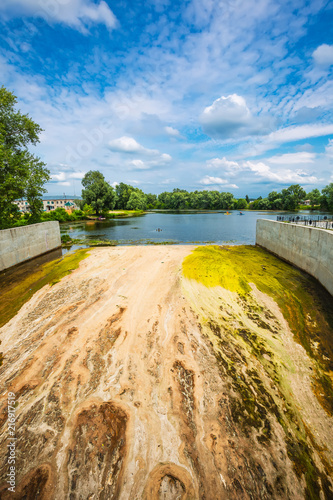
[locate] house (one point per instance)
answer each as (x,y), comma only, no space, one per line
(51,203)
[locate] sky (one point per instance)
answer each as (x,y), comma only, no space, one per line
(229,95)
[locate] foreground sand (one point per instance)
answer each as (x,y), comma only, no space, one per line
(120,394)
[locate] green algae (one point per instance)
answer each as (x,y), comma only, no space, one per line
(255,399)
(16,294)
(305,304)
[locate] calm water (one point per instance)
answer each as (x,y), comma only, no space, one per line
(184,228)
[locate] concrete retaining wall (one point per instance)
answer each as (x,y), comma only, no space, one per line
(308,248)
(23,243)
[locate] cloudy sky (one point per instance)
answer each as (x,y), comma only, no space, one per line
(234,95)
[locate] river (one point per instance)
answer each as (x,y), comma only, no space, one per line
(174,227)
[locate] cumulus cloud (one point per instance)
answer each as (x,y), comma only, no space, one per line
(78,14)
(129,145)
(216,181)
(62,178)
(282,176)
(323,55)
(58,177)
(229,117)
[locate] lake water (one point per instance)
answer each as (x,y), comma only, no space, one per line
(176,228)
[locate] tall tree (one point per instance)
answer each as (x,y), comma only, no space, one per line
(98,193)
(292,196)
(22,175)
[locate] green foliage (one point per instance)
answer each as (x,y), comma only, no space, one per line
(327,197)
(98,193)
(292,196)
(241,203)
(314,197)
(61,215)
(137,201)
(87,209)
(21,173)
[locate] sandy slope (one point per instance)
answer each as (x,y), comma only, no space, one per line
(120,394)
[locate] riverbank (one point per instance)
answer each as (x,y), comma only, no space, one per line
(192,370)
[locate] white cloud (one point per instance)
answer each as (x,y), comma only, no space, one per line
(228,166)
(226,116)
(78,14)
(329,149)
(77,175)
(323,55)
(282,176)
(293,158)
(58,177)
(216,181)
(292,134)
(160,160)
(230,117)
(152,157)
(129,145)
(173,132)
(126,145)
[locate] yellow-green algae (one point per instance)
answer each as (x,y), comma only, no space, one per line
(241,351)
(304,303)
(14,296)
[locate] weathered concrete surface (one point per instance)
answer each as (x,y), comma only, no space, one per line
(23,243)
(308,248)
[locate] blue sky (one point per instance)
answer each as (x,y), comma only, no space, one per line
(231,95)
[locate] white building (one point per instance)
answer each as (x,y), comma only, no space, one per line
(50,203)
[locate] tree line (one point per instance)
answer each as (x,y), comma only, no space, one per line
(101,196)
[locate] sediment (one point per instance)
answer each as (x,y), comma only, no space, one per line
(144,375)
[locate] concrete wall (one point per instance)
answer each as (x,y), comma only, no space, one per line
(308,248)
(23,243)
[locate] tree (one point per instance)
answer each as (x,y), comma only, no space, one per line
(292,196)
(123,195)
(98,193)
(151,200)
(137,201)
(22,175)
(241,203)
(327,198)
(314,197)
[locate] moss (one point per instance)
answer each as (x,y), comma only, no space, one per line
(15,296)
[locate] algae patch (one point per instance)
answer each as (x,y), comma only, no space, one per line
(15,295)
(305,304)
(248,343)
